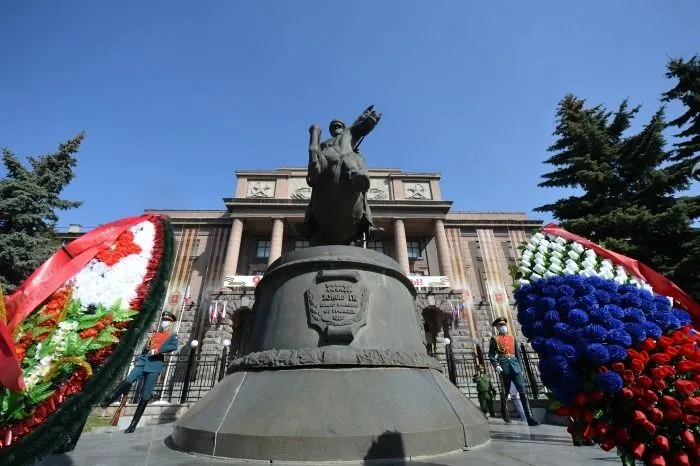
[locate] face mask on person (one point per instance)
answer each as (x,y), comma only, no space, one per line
(164,325)
(503,330)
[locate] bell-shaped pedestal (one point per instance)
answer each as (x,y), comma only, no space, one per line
(334,361)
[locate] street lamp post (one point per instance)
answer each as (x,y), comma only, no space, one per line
(451,369)
(188,371)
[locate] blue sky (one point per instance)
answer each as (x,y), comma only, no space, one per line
(175,96)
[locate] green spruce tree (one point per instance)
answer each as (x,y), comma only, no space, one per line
(29,201)
(686,73)
(628,186)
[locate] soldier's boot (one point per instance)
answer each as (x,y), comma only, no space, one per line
(121,389)
(528,414)
(137,416)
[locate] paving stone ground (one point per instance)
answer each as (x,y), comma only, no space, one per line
(511,444)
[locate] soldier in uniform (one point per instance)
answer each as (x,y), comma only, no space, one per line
(485,391)
(148,367)
(505,357)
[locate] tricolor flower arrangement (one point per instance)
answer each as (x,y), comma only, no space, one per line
(617,347)
(71,328)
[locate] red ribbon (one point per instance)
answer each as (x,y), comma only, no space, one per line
(658,282)
(45,280)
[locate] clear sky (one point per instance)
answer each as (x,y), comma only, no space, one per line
(176,95)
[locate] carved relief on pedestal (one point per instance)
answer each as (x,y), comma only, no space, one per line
(378,189)
(417,190)
(261,188)
(298,189)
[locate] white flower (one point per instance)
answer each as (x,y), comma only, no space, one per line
(574,255)
(549,274)
(606,264)
(590,253)
(577,247)
(531,247)
(538,236)
(539,269)
(535,276)
(560,240)
(555,260)
(522,281)
(68,326)
(557,247)
(555,268)
(525,270)
(557,254)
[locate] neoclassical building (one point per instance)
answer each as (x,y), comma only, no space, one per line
(458,261)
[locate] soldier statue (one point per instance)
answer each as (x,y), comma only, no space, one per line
(148,367)
(505,358)
(338,212)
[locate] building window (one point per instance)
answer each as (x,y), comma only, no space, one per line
(414,251)
(195,247)
(263,249)
(301,244)
(376,246)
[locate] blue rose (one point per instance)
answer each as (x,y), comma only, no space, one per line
(551,318)
(549,290)
(614,310)
(546,304)
(682,316)
(619,337)
(636,331)
(666,320)
(616,323)
(577,318)
(662,303)
(645,295)
(540,329)
(603,297)
(633,314)
(652,330)
(610,286)
(601,316)
(565,304)
(597,354)
(610,382)
(539,344)
(628,288)
(617,353)
(565,290)
(595,332)
(587,303)
(564,332)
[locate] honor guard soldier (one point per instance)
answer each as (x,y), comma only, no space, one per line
(148,367)
(505,357)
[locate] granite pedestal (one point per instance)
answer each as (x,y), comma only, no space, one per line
(335,359)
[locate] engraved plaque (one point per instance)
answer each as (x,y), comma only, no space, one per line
(337,304)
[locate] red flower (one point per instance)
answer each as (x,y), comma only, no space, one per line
(628,376)
(677,337)
(661,358)
(685,387)
(648,345)
(687,350)
(673,414)
(688,438)
(680,458)
(626,393)
(686,366)
(651,396)
(658,373)
(655,459)
(595,396)
(637,365)
(692,404)
(637,449)
(622,435)
(659,384)
(645,381)
(649,427)
(638,417)
(608,444)
(661,443)
(664,342)
(601,429)
(581,399)
(618,367)
(690,419)
(656,415)
(588,417)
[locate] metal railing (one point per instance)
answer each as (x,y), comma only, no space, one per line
(464,368)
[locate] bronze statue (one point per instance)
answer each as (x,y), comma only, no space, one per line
(338,212)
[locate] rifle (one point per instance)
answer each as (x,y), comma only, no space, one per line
(118,412)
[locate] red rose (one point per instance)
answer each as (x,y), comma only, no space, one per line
(588,417)
(649,427)
(637,449)
(690,419)
(622,435)
(643,404)
(644,355)
(655,415)
(648,345)
(608,444)
(651,396)
(632,353)
(669,371)
(688,438)
(687,350)
(618,367)
(661,358)
(664,342)
(673,351)
(581,399)
(692,404)
(645,381)
(601,429)
(637,365)
(626,393)
(658,373)
(595,396)
(677,337)
(672,414)
(628,376)
(661,443)
(638,417)
(685,366)
(659,384)
(685,387)
(680,459)
(655,459)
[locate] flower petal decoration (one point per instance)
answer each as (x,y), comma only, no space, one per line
(71,329)
(618,346)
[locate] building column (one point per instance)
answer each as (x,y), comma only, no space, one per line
(400,244)
(276,240)
(233,249)
(443,250)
